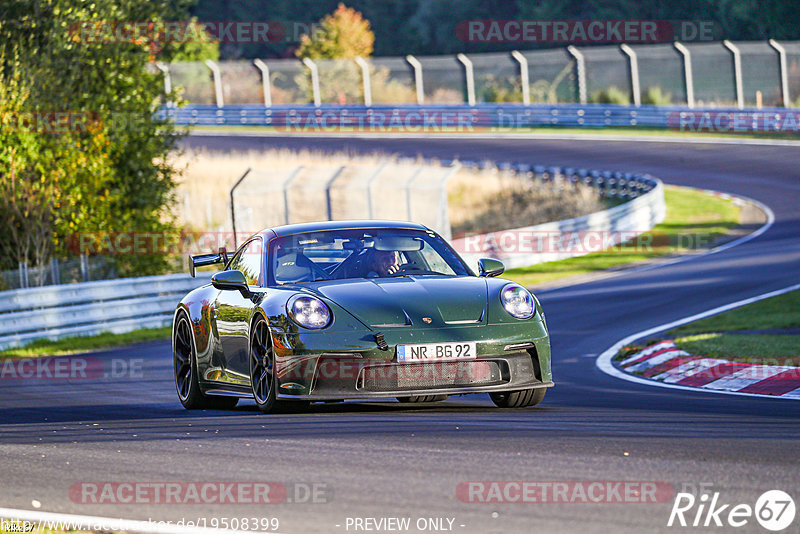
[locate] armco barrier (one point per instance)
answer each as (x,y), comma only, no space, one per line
(481,117)
(90,308)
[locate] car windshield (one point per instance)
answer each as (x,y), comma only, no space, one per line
(362,253)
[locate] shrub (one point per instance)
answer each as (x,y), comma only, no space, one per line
(610,95)
(656,97)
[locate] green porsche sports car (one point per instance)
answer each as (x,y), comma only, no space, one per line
(356,310)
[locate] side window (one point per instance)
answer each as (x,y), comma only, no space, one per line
(248,260)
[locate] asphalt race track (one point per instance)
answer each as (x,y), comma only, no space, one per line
(389,460)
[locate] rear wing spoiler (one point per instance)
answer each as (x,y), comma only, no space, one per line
(201,260)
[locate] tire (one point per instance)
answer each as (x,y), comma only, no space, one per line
(518,399)
(263,382)
(185,366)
(422,398)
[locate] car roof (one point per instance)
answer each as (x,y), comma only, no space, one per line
(300,228)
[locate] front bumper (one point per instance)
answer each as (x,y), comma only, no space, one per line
(357,380)
(509,358)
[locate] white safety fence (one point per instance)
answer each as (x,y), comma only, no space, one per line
(90,308)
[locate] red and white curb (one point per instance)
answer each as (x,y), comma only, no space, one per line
(605,362)
(665,362)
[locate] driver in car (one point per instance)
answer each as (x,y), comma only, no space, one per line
(383,263)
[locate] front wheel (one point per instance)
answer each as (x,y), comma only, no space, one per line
(518,399)
(262,368)
(185,365)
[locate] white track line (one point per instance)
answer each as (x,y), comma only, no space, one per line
(604,360)
(86,522)
(501,135)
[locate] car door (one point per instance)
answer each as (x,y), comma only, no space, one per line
(232,311)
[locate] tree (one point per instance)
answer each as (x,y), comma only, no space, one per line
(106,169)
(340,37)
(344,34)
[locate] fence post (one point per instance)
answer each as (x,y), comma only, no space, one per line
(688,80)
(264,81)
(787,101)
(23,275)
(737,72)
(314,80)
(443,217)
(286,185)
(580,72)
(414,62)
(524,76)
(328,186)
(54,271)
(84,267)
(217,82)
(164,68)
(470,76)
(367,83)
(633,66)
(371,179)
(233,210)
(409,183)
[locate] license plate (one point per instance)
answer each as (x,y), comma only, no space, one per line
(436,351)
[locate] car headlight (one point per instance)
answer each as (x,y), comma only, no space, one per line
(517,301)
(309,312)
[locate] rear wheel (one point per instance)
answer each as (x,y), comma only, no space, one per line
(422,398)
(518,399)
(185,365)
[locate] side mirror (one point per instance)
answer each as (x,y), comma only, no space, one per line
(231,280)
(489,267)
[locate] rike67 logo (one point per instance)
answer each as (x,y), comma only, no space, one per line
(774,510)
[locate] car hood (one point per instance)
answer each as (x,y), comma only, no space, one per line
(409,300)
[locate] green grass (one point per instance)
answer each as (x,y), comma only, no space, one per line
(782,312)
(77,345)
(711,336)
(746,348)
(694,220)
(717,336)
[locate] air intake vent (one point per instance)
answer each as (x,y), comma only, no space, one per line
(430,375)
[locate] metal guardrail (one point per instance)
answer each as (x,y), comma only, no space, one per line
(91,308)
(461,118)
